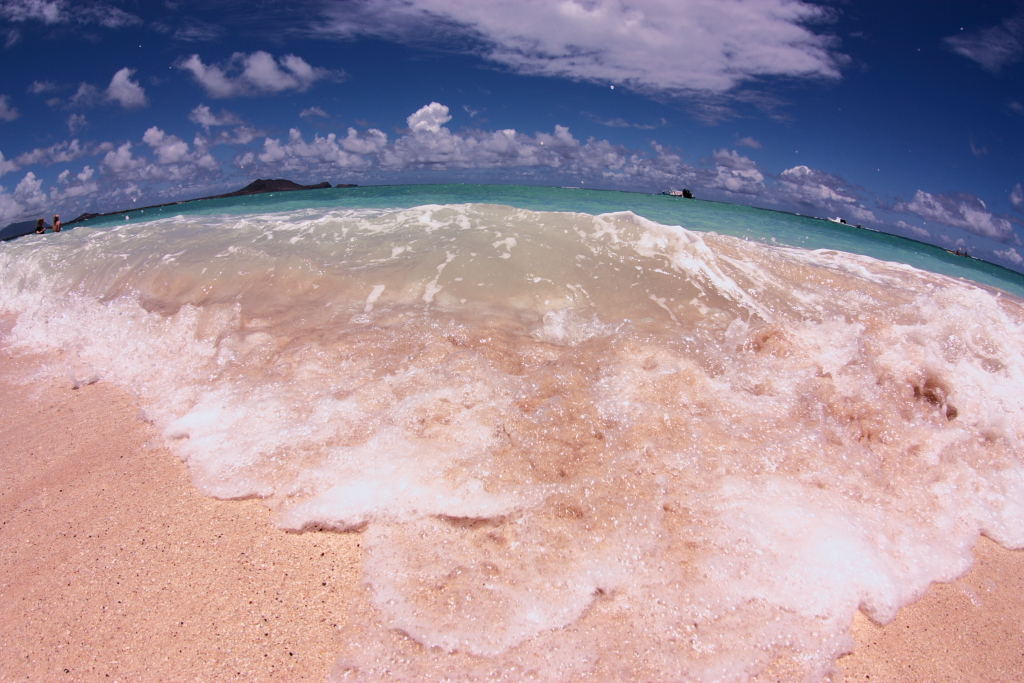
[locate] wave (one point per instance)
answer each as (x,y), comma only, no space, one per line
(573,443)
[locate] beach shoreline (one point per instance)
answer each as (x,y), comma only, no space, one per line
(116,568)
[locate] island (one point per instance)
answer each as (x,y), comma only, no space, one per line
(258,186)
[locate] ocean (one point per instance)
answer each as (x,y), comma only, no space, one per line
(585,435)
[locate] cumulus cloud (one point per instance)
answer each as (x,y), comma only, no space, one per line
(254,74)
(121,160)
(736,173)
(175,161)
(126,91)
(959,210)
(206,118)
(7,112)
(169,149)
(7,166)
(59,153)
(992,47)
(1017,197)
(343,153)
(27,199)
(172,150)
(429,144)
(74,186)
(1010,255)
(812,187)
(648,45)
(749,142)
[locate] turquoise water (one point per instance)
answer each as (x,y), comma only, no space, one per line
(728,219)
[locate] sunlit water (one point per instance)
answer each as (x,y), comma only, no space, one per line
(578,445)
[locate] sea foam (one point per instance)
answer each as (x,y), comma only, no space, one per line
(577,446)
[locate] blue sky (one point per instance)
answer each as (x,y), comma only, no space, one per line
(904,117)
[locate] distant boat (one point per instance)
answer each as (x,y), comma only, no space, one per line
(837,219)
(684,193)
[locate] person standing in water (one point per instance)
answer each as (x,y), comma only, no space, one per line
(40,228)
(56,223)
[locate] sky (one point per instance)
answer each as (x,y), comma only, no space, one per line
(905,117)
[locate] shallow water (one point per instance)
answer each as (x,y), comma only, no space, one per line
(578,446)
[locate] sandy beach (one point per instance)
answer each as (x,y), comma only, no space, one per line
(113,568)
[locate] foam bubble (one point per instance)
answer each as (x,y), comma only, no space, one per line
(577,446)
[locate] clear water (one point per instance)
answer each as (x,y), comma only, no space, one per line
(760,225)
(581,441)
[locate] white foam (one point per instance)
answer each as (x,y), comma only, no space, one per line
(575,445)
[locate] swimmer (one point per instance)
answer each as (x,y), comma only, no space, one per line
(56,223)
(40,228)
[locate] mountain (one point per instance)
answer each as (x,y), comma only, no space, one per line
(18,229)
(260,186)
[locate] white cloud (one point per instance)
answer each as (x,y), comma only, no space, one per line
(430,145)
(61,152)
(27,199)
(749,142)
(615,122)
(46,11)
(312,112)
(206,118)
(961,210)
(62,12)
(169,149)
(39,87)
(670,46)
(7,112)
(914,230)
(241,135)
(1017,197)
(346,153)
(72,187)
(76,122)
(86,96)
(7,166)
(736,173)
(993,47)
(429,119)
(812,187)
(1011,256)
(126,91)
(105,15)
(121,160)
(245,160)
(175,162)
(253,74)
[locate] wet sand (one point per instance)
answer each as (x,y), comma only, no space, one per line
(113,568)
